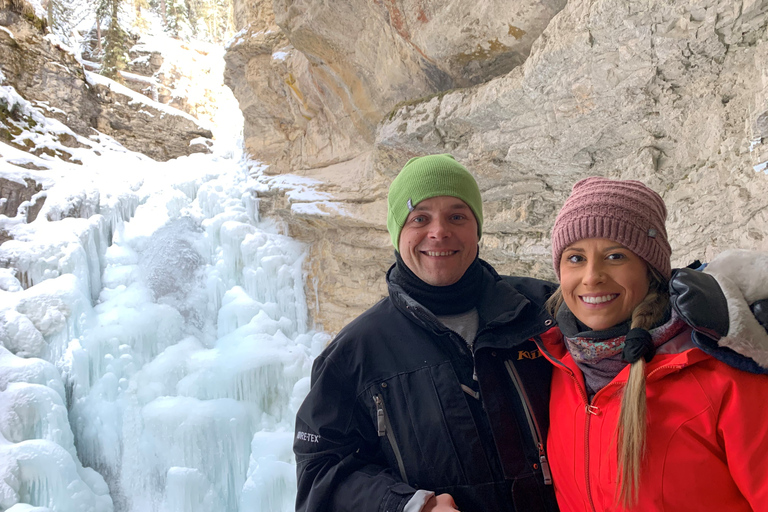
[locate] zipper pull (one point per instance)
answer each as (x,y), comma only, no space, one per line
(471,392)
(380,424)
(474,373)
(544,465)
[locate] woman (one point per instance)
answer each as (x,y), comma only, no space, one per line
(641,419)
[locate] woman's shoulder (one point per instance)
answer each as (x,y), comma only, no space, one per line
(723,382)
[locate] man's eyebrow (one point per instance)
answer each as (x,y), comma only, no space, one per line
(455,206)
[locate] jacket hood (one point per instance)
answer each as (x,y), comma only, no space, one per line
(743,278)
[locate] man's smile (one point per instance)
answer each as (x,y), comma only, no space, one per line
(439,253)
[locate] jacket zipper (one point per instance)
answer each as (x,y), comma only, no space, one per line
(591,410)
(533,425)
(385,429)
(594,410)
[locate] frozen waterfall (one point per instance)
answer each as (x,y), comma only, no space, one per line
(156,348)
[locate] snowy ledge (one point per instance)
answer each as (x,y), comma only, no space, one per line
(137,98)
(303,196)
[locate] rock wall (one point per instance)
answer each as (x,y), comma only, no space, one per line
(314,79)
(42,71)
(672,93)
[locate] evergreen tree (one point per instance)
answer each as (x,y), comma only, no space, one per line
(177,21)
(115,39)
(140,23)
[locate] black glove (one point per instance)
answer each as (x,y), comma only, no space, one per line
(698,299)
(760,310)
(700,302)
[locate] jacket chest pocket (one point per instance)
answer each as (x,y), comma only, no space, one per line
(426,428)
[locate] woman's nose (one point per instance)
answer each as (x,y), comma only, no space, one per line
(593,274)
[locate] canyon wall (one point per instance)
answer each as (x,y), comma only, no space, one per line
(530,98)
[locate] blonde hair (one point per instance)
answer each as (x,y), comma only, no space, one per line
(631,429)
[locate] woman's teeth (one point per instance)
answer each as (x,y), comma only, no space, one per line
(600,299)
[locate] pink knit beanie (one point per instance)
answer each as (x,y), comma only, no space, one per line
(624,211)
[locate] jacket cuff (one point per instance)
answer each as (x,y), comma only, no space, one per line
(398,497)
(417,501)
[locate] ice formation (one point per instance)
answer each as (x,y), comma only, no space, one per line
(154,339)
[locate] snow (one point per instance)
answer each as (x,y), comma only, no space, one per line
(280,55)
(236,39)
(303,195)
(10,34)
(135,97)
(154,335)
(40,11)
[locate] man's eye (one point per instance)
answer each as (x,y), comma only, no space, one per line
(419,219)
(457,216)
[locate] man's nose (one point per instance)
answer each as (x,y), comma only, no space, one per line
(439,228)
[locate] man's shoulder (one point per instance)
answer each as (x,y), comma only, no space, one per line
(376,320)
(536,290)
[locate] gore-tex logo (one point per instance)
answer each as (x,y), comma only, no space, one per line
(306,436)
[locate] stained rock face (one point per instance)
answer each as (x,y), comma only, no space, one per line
(315,78)
(45,73)
(674,94)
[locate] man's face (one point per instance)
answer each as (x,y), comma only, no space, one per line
(439,240)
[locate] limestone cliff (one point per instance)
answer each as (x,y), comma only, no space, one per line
(672,93)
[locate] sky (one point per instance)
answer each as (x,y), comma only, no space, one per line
(156,341)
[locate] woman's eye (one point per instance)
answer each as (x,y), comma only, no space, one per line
(575,258)
(616,256)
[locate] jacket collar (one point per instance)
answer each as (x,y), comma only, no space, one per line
(676,354)
(499,305)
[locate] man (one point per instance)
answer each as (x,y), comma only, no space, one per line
(434,399)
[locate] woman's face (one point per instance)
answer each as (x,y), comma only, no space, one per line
(602,281)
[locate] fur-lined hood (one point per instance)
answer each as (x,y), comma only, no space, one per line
(743,279)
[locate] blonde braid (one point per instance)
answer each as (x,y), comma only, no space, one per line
(631,429)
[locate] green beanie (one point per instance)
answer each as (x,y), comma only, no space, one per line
(425,177)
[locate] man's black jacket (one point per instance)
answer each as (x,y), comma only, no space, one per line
(394,407)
